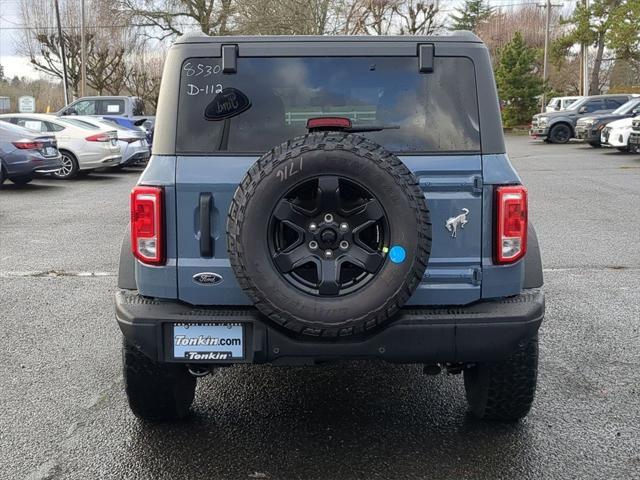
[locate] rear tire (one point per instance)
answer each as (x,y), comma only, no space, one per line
(560,133)
(156,391)
(21,180)
(594,145)
(3,176)
(504,390)
(623,149)
(69,168)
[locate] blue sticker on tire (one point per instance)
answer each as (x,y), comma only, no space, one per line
(397,254)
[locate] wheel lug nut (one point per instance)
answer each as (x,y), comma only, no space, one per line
(344,227)
(328,218)
(328,253)
(313,244)
(313,227)
(344,244)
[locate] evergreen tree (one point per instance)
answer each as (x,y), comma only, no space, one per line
(518,82)
(605,24)
(471,15)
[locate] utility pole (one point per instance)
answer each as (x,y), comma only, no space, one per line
(585,58)
(65,86)
(547,27)
(83,53)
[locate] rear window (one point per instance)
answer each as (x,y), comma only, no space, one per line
(110,107)
(435,112)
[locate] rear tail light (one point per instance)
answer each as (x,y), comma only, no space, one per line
(147,229)
(101,137)
(511,223)
(98,137)
(28,145)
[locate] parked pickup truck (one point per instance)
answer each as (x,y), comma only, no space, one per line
(559,127)
(590,128)
(130,107)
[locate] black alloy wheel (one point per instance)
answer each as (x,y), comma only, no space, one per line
(327,235)
(560,133)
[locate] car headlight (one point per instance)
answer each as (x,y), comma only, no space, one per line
(588,122)
(543,121)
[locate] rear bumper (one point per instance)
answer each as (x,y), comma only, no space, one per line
(27,164)
(136,157)
(484,331)
(92,160)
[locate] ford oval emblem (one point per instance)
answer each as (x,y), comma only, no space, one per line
(207,278)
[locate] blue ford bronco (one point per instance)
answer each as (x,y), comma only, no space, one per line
(322,199)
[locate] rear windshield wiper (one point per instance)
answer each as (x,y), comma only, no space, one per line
(370,128)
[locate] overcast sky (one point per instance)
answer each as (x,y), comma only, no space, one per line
(10,23)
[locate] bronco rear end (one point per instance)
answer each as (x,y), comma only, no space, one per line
(319,199)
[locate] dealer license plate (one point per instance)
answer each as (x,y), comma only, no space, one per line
(208,341)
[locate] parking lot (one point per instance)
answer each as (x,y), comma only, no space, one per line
(64,412)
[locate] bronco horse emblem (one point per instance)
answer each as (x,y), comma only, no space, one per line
(454,222)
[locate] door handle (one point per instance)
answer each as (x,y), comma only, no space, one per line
(206,242)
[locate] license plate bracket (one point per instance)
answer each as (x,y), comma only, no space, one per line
(208,342)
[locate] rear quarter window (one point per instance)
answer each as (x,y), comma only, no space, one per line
(435,112)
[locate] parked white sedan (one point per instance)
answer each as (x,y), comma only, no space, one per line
(133,141)
(616,134)
(83,147)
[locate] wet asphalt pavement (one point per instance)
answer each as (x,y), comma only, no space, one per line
(63,413)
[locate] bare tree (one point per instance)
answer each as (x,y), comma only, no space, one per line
(419,17)
(284,17)
(144,72)
(108,38)
(174,17)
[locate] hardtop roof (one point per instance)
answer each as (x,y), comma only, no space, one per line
(460,36)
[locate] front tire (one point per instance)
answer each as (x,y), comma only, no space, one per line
(69,168)
(504,390)
(594,145)
(623,149)
(560,133)
(156,391)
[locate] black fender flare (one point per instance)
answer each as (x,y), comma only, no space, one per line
(533,277)
(127,265)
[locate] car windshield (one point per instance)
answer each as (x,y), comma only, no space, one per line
(80,123)
(626,107)
(435,112)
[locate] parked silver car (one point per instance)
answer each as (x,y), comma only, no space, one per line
(23,153)
(83,147)
(134,147)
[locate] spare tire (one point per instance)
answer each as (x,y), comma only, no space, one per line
(329,234)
